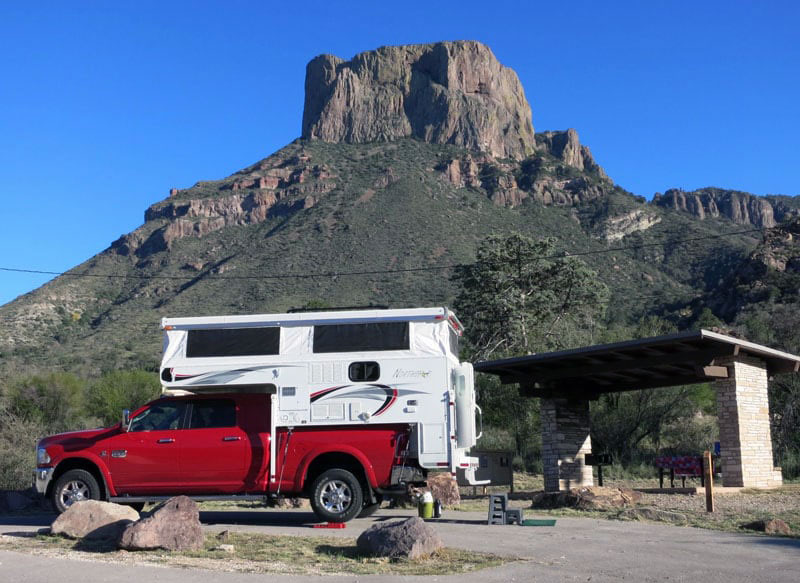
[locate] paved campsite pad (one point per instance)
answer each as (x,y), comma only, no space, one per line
(576,548)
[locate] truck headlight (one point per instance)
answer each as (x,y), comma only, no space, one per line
(41,456)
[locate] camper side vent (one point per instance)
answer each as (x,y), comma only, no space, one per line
(327,372)
(327,412)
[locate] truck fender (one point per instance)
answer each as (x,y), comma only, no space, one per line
(302,469)
(98,462)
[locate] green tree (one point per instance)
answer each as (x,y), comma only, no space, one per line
(519,297)
(516,298)
(108,395)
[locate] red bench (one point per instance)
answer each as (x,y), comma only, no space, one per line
(679,466)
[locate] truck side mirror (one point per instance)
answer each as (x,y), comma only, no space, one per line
(126,419)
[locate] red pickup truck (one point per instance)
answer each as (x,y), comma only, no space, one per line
(217,446)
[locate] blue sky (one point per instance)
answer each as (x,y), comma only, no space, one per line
(106,105)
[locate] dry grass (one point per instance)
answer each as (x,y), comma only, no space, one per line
(258,553)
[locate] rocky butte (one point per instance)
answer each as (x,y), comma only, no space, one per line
(443,93)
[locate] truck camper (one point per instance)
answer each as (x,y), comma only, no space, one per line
(343,407)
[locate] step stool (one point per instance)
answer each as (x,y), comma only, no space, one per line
(497,508)
(514,516)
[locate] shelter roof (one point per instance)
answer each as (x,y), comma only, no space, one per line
(661,361)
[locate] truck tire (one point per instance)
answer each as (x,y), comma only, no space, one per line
(73,486)
(336,496)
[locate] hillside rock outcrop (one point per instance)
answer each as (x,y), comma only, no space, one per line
(566,146)
(562,172)
(740,207)
(443,93)
(273,188)
(618,227)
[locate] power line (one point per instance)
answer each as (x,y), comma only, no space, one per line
(331,274)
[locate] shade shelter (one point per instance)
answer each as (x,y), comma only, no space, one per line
(567,380)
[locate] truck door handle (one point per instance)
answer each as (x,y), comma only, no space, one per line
(166,440)
(231,438)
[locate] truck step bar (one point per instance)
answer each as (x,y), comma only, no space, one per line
(196,498)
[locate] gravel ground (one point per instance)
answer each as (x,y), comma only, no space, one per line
(730,512)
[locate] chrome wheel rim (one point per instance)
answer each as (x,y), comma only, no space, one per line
(74,491)
(336,496)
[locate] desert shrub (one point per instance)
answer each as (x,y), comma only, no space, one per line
(54,400)
(108,395)
(18,438)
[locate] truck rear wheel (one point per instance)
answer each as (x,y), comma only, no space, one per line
(74,486)
(336,496)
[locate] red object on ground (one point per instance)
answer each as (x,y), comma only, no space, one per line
(330,525)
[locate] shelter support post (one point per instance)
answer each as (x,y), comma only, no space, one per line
(565,443)
(744,429)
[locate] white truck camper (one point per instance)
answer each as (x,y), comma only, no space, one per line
(343,369)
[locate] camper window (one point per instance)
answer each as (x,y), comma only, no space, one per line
(233,342)
(361,337)
(364,371)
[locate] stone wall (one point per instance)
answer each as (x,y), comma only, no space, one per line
(565,442)
(744,429)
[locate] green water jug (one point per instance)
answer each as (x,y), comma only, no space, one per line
(426,505)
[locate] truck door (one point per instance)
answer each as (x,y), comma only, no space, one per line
(215,451)
(145,459)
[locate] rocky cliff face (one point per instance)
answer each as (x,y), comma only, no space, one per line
(278,186)
(444,93)
(740,207)
(562,172)
(566,147)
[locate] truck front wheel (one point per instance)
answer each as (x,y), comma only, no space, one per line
(336,496)
(74,486)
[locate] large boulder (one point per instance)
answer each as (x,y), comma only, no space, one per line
(443,487)
(769,526)
(647,513)
(588,498)
(94,519)
(411,538)
(175,526)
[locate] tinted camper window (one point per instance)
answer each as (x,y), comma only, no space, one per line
(361,337)
(233,342)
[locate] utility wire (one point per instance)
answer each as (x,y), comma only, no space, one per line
(330,274)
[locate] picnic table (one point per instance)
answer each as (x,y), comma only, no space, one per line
(682,466)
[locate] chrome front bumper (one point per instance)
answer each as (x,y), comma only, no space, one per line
(41,479)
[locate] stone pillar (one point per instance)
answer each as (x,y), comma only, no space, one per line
(565,442)
(744,430)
